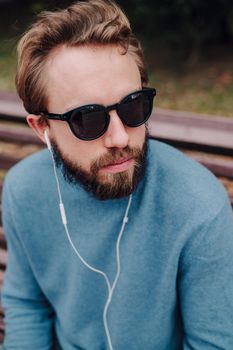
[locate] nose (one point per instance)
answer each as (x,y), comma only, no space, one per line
(116,135)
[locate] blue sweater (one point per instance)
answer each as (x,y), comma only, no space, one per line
(175,289)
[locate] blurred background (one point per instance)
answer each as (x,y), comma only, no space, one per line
(188,46)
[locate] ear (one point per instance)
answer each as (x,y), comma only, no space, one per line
(38,126)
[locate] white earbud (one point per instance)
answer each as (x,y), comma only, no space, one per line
(47,140)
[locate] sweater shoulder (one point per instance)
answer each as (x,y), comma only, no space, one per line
(184,184)
(27,174)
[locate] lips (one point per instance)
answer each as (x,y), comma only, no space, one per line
(119,161)
(120,165)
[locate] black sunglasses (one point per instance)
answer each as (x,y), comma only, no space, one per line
(89,122)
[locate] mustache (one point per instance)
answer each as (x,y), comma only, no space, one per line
(114,155)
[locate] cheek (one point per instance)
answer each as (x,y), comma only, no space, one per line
(64,137)
(60,130)
(137,135)
(76,150)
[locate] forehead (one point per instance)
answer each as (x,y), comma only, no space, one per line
(89,74)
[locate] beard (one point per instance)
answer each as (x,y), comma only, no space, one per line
(108,185)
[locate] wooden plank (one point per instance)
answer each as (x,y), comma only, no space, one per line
(6,162)
(164,124)
(3,257)
(210,131)
(1,337)
(12,118)
(1,279)
(2,238)
(12,108)
(194,119)
(9,96)
(18,134)
(218,166)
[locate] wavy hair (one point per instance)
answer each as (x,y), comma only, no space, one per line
(83,23)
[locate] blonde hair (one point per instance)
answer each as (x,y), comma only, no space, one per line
(84,22)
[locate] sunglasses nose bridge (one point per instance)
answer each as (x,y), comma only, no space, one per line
(111,107)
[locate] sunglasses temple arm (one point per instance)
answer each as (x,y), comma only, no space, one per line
(53,116)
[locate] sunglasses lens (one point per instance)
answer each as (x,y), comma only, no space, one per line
(136,108)
(89,123)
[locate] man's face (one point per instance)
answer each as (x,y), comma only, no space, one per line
(112,165)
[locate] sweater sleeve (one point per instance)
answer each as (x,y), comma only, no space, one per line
(206,284)
(28,315)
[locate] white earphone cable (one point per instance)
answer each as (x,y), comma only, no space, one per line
(103,274)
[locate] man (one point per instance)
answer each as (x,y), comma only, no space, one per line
(126,243)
